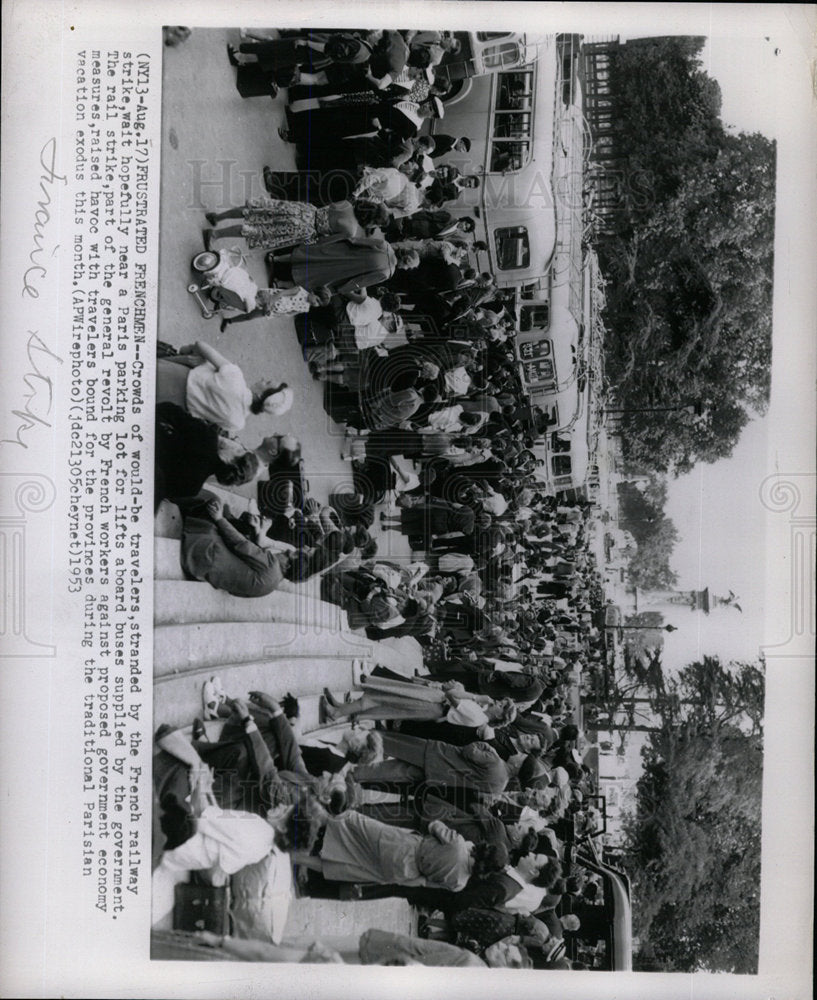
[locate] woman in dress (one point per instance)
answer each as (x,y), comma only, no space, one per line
(357,848)
(434,517)
(211,388)
(282,302)
(345,264)
(387,699)
(272,224)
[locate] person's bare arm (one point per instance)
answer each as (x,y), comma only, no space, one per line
(210,354)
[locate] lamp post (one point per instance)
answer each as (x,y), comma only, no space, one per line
(662,628)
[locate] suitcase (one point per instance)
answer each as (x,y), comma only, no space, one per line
(252,81)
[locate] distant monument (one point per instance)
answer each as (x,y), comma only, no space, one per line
(695,600)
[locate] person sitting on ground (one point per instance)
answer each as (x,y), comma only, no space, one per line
(202,381)
(359,849)
(189,451)
(213,551)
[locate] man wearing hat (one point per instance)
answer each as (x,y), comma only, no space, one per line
(437,43)
(404,118)
(444,144)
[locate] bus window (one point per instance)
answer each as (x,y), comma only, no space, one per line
(561,466)
(504,54)
(534,317)
(507,154)
(512,125)
(512,247)
(540,370)
(490,36)
(534,349)
(515,91)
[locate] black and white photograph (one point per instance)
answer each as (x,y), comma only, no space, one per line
(407,500)
(463,368)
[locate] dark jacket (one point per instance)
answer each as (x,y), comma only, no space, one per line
(186,453)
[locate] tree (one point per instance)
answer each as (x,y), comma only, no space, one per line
(690,264)
(649,567)
(642,639)
(642,513)
(694,841)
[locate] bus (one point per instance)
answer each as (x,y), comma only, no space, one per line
(480,53)
(530,143)
(614,951)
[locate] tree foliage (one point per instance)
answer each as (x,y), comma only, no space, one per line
(644,637)
(641,512)
(694,841)
(689,266)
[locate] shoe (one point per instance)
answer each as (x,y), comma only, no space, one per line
(285,134)
(330,698)
(351,891)
(211,218)
(291,707)
(208,235)
(199,732)
(325,711)
(358,677)
(212,697)
(231,55)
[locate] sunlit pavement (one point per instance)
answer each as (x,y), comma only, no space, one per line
(214,146)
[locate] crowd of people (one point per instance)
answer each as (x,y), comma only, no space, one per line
(463,789)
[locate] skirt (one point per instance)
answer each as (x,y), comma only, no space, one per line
(271,223)
(359,849)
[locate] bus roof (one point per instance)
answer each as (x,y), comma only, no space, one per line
(524,197)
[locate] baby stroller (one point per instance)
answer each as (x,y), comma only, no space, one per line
(225,282)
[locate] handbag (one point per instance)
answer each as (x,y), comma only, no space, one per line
(201,908)
(347,49)
(252,81)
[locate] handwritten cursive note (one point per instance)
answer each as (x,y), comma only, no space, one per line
(37,271)
(38,395)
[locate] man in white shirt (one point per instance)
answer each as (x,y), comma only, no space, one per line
(391,187)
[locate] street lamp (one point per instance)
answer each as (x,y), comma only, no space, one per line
(663,628)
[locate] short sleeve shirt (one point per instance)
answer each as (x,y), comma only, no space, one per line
(219,395)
